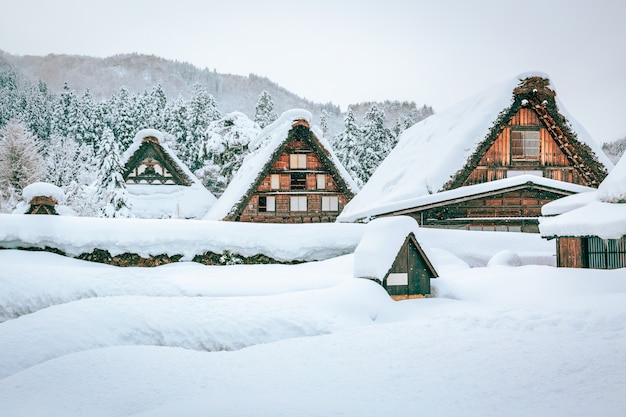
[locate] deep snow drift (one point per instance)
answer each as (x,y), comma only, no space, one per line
(83,339)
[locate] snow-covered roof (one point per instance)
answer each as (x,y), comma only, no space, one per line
(262,150)
(599,213)
(467,191)
(380,244)
(613,188)
(164,200)
(429,153)
(43,189)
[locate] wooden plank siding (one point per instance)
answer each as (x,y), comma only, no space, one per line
(497,161)
(569,252)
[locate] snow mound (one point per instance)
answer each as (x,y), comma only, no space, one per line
(505,258)
(43,189)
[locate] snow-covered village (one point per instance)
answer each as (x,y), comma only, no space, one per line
(180,241)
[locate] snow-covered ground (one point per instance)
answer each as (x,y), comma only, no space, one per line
(84,339)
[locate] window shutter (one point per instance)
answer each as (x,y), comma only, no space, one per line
(271,204)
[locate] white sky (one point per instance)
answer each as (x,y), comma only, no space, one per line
(435,52)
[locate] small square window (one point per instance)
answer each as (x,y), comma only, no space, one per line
(297,161)
(524,144)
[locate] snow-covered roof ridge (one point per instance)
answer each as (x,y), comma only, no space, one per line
(288,116)
(262,152)
(433,153)
(380,245)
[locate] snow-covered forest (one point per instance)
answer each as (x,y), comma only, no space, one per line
(60,138)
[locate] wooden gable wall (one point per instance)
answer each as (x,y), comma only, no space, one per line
(150,164)
(498,161)
(322,194)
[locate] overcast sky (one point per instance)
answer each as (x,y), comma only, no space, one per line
(433,52)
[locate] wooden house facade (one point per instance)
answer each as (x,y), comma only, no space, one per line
(159,184)
(526,154)
(390,255)
(508,205)
(150,163)
(296,180)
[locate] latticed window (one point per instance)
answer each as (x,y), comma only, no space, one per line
(298,181)
(524,144)
(606,253)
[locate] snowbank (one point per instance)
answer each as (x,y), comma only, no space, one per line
(312,352)
(150,237)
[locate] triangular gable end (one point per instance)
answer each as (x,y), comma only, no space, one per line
(151,164)
(509,146)
(413,262)
(411,243)
(279,161)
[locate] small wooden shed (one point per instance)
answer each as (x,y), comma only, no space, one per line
(590,228)
(42,198)
(390,254)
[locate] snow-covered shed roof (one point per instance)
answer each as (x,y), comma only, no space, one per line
(263,150)
(601,212)
(166,200)
(469,191)
(430,153)
(43,189)
(376,252)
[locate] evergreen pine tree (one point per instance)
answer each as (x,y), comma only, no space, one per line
(225,146)
(377,141)
(201,111)
(9,95)
(349,148)
(264,111)
(111,189)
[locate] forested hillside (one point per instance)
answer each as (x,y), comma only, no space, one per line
(208,119)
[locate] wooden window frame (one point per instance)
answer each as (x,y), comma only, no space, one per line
(275,181)
(267,204)
(321,181)
(525,152)
(297,161)
(298,203)
(330,203)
